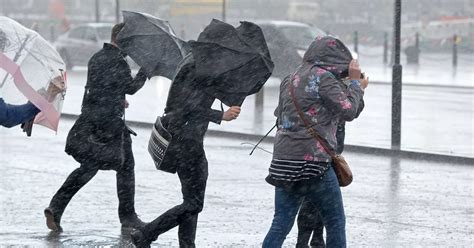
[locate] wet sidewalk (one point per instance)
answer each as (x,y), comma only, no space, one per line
(391,203)
(435,119)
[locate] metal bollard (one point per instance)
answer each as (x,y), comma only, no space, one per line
(455,50)
(417,48)
(259,100)
(412,52)
(385,48)
(356,41)
(52,32)
(258,110)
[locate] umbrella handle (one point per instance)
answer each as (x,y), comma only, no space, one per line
(28,127)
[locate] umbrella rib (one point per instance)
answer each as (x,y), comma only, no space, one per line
(19,38)
(17,56)
(17,34)
(147,20)
(52,58)
(36,58)
(171,28)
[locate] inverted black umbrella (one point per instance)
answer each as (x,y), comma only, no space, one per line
(151,43)
(231,63)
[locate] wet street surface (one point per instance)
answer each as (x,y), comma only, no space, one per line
(391,203)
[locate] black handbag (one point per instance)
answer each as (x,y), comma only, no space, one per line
(158,146)
(84,145)
(85,142)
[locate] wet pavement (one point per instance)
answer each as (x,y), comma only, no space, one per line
(392,202)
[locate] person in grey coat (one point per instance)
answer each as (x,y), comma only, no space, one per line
(301,167)
(310,224)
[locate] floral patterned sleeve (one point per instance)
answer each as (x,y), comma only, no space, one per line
(339,102)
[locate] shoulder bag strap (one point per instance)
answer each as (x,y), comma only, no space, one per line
(311,130)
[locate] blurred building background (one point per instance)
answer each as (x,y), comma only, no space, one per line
(435,20)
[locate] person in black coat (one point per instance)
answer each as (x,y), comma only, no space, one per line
(187,115)
(99,138)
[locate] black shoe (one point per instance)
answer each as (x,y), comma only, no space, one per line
(52,221)
(132,222)
(139,239)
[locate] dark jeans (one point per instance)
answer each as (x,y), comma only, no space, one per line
(309,218)
(192,172)
(325,195)
(310,222)
(82,175)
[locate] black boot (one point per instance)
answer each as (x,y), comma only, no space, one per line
(139,239)
(53,220)
(132,221)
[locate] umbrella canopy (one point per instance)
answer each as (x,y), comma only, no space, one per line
(231,63)
(151,43)
(30,65)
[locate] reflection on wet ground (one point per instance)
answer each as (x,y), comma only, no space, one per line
(391,203)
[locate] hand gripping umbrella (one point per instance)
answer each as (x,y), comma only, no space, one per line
(231,63)
(30,65)
(151,43)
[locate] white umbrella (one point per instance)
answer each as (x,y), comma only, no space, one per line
(28,66)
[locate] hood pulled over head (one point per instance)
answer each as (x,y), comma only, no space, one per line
(330,54)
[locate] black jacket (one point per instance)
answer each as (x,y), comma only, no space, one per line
(188,108)
(108,80)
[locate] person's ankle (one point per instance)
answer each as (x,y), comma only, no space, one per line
(131,221)
(53,219)
(139,239)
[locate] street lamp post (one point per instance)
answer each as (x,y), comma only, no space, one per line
(397,79)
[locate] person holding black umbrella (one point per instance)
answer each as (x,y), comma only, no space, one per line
(225,63)
(100,140)
(187,116)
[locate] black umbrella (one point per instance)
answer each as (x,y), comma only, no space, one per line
(231,63)
(151,43)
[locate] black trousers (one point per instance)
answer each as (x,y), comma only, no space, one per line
(310,222)
(191,167)
(88,169)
